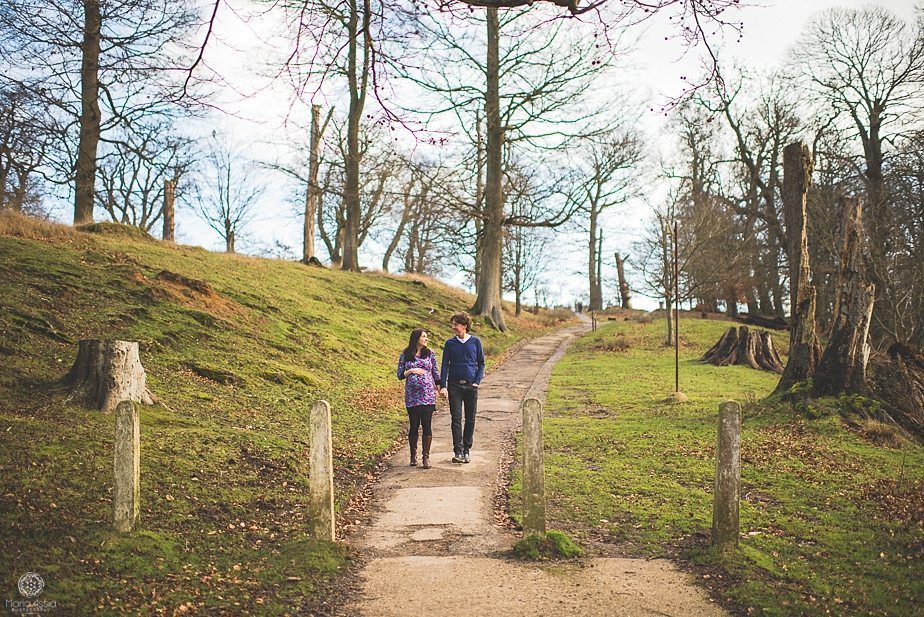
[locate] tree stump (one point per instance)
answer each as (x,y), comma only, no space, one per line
(742,346)
(107,372)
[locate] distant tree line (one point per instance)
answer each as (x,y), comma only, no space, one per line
(853,90)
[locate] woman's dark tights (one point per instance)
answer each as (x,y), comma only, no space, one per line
(420,416)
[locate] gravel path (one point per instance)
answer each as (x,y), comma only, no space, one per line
(433,547)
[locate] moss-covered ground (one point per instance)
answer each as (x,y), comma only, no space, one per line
(237,349)
(831,522)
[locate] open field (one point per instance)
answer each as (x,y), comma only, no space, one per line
(830,520)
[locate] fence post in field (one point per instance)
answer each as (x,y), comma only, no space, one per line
(725,523)
(321,474)
(126,490)
(533,469)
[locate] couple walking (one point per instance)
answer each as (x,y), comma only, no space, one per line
(458,378)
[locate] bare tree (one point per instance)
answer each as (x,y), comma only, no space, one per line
(761,127)
(526,249)
(606,177)
(23,146)
(228,189)
(718,244)
(423,217)
(100,66)
(133,172)
(346,45)
(905,177)
(654,266)
(513,82)
(868,64)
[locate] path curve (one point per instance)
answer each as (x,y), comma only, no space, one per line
(433,548)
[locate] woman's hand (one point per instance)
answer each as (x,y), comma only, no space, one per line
(415,371)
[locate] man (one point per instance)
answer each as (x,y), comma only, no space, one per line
(461,374)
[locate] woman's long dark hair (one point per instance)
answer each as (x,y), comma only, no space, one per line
(410,351)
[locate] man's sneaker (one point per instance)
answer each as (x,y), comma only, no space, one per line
(457,458)
(466,458)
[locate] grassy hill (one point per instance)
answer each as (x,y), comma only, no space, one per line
(237,349)
(832,512)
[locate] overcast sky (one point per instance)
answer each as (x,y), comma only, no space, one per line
(656,68)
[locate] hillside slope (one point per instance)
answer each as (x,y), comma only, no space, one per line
(237,349)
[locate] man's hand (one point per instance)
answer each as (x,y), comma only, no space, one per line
(444,392)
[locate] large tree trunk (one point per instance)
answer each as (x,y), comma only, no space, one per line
(842,367)
(311,194)
(624,293)
(745,347)
(106,373)
(229,236)
(804,350)
(90,117)
(4,174)
(358,79)
(479,195)
(488,289)
(169,225)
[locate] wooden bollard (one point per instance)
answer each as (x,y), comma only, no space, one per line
(321,474)
(533,469)
(126,491)
(725,523)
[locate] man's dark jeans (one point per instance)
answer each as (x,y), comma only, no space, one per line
(462,396)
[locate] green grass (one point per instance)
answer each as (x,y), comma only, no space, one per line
(830,521)
(237,363)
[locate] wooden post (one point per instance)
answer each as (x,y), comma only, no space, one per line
(126,491)
(725,523)
(321,474)
(533,469)
(169,191)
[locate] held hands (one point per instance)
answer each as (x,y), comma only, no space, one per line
(444,392)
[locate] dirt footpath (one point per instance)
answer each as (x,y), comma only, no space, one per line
(433,547)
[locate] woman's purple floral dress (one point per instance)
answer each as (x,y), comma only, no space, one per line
(419,389)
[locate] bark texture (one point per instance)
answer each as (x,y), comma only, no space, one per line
(106,373)
(804,350)
(842,367)
(745,347)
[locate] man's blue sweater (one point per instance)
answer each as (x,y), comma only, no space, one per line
(462,361)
